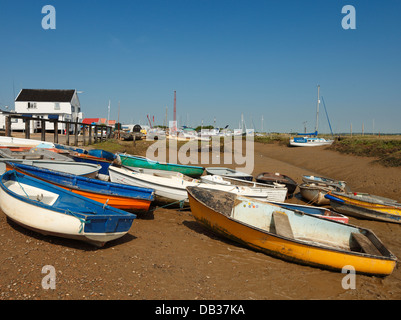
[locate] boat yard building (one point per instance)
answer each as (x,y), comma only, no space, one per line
(62,105)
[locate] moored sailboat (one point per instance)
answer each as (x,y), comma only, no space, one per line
(311,139)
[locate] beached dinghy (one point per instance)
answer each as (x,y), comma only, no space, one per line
(271,178)
(315,192)
(277,192)
(86,158)
(26,149)
(70,148)
(340,185)
(102,154)
(116,195)
(316,211)
(20,142)
(171,186)
(81,169)
(142,162)
(50,210)
(366,206)
(33,154)
(290,235)
(229,173)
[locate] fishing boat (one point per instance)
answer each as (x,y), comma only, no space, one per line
(276,192)
(50,210)
(21,142)
(315,192)
(311,139)
(272,178)
(316,211)
(81,169)
(171,186)
(230,173)
(290,235)
(365,206)
(86,158)
(337,184)
(116,195)
(142,162)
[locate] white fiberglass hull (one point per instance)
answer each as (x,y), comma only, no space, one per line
(172,186)
(78,168)
(20,142)
(46,221)
(311,143)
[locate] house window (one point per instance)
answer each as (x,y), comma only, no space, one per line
(56,106)
(31,105)
(72,109)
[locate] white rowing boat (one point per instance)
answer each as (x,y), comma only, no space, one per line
(171,186)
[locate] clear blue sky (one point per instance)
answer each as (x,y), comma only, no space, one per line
(222,57)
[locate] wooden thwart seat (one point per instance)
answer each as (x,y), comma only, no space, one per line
(282,224)
(366,245)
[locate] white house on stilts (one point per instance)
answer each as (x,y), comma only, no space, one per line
(47,104)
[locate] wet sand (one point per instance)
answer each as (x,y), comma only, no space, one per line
(167,255)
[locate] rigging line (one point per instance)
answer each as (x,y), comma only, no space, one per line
(327,115)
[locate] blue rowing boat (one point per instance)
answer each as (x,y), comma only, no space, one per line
(86,158)
(69,148)
(315,211)
(50,210)
(116,195)
(102,154)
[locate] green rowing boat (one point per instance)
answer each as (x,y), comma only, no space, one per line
(142,162)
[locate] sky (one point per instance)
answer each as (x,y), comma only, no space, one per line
(224,59)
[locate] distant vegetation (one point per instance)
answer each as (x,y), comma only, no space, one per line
(279,138)
(386,148)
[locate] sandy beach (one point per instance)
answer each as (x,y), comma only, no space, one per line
(168,255)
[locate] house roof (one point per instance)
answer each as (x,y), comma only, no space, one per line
(45,95)
(98,121)
(90,120)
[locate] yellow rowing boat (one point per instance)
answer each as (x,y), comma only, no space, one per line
(291,235)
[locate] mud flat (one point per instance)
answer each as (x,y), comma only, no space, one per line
(167,255)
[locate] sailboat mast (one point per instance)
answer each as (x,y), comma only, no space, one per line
(317,109)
